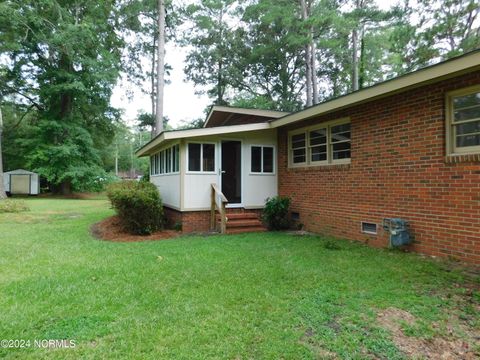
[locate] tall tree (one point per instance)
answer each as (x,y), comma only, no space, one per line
(451,26)
(64,58)
(160,67)
(273,60)
(308,57)
(210,61)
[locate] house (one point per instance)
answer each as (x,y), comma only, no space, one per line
(21,182)
(406,148)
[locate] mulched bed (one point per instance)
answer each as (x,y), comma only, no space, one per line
(111,230)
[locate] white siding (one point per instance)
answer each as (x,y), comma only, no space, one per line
(35,189)
(169,187)
(256,188)
(6,181)
(197,191)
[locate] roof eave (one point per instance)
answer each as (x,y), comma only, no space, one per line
(182,134)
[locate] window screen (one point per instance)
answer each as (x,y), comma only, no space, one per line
(466,120)
(208,157)
(267,159)
(298,148)
(194,154)
(256,159)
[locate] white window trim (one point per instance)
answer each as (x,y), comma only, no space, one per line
(201,158)
(261,160)
(307,130)
(450,128)
(158,155)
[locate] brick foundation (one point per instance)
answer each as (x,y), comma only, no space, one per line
(196,221)
(398,169)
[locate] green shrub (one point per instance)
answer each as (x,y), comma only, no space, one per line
(275,213)
(138,205)
(13,206)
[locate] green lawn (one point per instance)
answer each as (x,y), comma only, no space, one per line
(255,296)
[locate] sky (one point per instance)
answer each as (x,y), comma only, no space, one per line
(180,103)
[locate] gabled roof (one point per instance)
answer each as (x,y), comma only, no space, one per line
(20,172)
(226,115)
(444,70)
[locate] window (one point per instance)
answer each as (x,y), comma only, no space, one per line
(340,141)
(201,157)
(176,158)
(298,148)
(262,159)
(208,157)
(369,228)
(463,123)
(166,161)
(161,162)
(318,145)
(157,164)
(323,144)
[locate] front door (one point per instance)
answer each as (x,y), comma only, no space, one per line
(232,171)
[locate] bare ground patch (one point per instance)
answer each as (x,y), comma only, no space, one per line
(110,229)
(449,346)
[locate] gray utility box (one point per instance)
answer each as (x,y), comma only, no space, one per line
(399,231)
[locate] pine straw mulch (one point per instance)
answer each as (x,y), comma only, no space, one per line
(110,229)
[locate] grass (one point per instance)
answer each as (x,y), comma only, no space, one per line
(260,296)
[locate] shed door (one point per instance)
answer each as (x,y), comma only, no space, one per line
(20,184)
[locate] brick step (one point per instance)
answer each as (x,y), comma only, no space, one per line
(246,230)
(241,223)
(234,216)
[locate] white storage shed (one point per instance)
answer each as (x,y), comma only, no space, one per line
(21,182)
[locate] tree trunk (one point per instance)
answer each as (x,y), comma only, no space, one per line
(308,75)
(3,195)
(361,66)
(220,78)
(160,67)
(308,58)
(219,84)
(314,73)
(354,60)
(64,188)
(152,80)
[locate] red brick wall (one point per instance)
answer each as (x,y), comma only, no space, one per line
(196,221)
(172,216)
(398,169)
(192,221)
